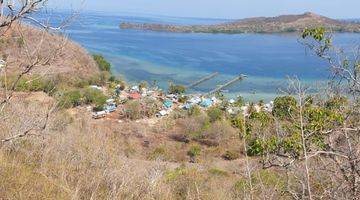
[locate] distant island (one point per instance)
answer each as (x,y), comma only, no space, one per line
(279,24)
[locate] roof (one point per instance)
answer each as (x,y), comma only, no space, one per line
(96,87)
(134,95)
(110,101)
(187,106)
(206,102)
(168,104)
(163,113)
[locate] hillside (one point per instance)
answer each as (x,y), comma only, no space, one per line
(279,24)
(22,44)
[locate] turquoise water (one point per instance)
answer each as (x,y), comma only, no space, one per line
(267,59)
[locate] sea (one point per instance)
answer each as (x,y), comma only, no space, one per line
(268,60)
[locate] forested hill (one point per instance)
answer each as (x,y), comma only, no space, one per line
(279,24)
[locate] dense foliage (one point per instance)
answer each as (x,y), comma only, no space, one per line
(102,63)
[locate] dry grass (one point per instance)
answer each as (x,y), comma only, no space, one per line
(73,61)
(77,157)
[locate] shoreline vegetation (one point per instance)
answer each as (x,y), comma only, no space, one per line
(279,24)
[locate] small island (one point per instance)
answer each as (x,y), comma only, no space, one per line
(279,24)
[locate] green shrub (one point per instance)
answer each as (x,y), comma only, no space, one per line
(100,79)
(262,117)
(215,114)
(230,155)
(133,110)
(194,151)
(82,84)
(321,119)
(215,133)
(41,84)
(240,123)
(94,96)
(239,101)
(269,178)
(112,78)
(20,42)
(218,172)
(151,107)
(194,110)
(336,103)
(98,108)
(143,84)
(183,99)
(159,153)
(33,84)
(256,147)
(102,63)
(177,89)
(184,181)
(292,144)
(284,107)
(70,99)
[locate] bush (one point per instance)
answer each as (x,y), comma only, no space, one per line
(102,63)
(194,151)
(183,99)
(151,107)
(262,117)
(218,172)
(194,110)
(34,84)
(81,83)
(70,99)
(239,101)
(180,138)
(143,84)
(177,89)
(256,147)
(230,155)
(193,127)
(215,114)
(336,103)
(159,153)
(284,107)
(217,132)
(94,96)
(112,78)
(98,108)
(133,110)
(184,181)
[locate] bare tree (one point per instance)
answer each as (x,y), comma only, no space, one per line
(13,16)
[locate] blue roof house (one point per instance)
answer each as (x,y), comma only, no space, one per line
(206,103)
(168,104)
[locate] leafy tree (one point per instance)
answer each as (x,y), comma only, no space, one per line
(176,89)
(102,63)
(336,102)
(284,107)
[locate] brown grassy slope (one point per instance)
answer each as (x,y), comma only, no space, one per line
(70,59)
(77,157)
(289,22)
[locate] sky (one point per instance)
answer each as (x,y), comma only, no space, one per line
(226,9)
